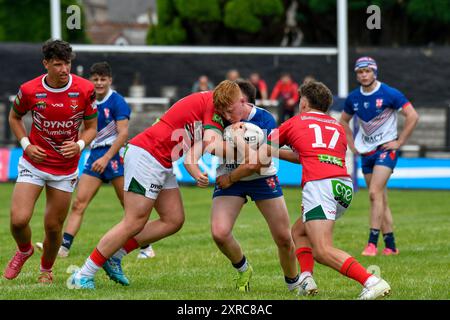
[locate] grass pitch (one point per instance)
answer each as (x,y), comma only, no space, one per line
(188,265)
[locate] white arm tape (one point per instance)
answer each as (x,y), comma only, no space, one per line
(25,142)
(81,143)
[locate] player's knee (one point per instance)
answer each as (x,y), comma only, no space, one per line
(298,230)
(375,195)
(220,234)
(284,241)
(135,227)
(18,223)
(79,206)
(174,221)
(53,228)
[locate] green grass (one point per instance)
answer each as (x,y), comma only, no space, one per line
(188,265)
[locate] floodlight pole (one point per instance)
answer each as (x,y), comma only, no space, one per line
(342,48)
(55,14)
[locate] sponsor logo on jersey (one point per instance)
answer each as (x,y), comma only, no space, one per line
(41,95)
(25,173)
(326,158)
(58,124)
(58,105)
(342,194)
(379,103)
(74,94)
(372,139)
(40,105)
(218,119)
(155,188)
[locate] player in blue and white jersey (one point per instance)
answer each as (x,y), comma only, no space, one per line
(104,164)
(376,104)
(262,187)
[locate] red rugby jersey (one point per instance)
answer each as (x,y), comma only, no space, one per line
(57,115)
(320,142)
(177,130)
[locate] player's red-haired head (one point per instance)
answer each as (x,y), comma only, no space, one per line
(226,98)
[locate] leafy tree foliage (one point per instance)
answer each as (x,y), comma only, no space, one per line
(29,21)
(218,22)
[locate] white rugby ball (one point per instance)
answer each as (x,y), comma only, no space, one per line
(253,135)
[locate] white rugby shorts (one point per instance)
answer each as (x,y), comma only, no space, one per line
(30,174)
(326,199)
(145,175)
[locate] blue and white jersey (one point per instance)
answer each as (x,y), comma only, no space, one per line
(111,109)
(377,113)
(267,123)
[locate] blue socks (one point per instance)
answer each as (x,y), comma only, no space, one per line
(67,240)
(373,236)
(389,240)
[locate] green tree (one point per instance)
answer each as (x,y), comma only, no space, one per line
(217,22)
(404,22)
(29,21)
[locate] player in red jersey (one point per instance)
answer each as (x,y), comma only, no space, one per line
(321,144)
(150,181)
(59,103)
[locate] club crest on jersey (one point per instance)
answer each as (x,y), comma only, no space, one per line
(366,105)
(106,112)
(74,105)
(379,103)
(74,94)
(41,95)
(40,105)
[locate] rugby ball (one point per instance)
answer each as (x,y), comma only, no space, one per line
(253,135)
